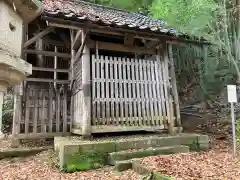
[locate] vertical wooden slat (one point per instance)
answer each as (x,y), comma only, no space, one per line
(150,91)
(43,111)
(107,89)
(120,81)
(146,92)
(129,91)
(50,109)
(138,86)
(64,109)
(158,98)
(98,90)
(134,97)
(116,93)
(102,84)
(125,104)
(112,90)
(58,110)
(161,82)
(27,109)
(55,66)
(93,91)
(166,84)
(143,99)
(35,114)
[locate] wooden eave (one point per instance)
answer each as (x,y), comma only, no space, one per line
(96,28)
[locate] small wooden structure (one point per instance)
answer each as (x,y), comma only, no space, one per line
(96,69)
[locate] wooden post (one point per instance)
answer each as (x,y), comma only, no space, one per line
(86,83)
(174,86)
(17,115)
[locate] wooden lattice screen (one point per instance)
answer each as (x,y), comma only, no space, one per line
(45,111)
(130,92)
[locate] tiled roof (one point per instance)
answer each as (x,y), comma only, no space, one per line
(83,11)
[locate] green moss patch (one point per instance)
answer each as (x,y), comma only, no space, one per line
(86,161)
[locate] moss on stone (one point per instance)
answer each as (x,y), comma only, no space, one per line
(87,161)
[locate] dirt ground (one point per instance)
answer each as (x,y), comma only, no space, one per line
(217,164)
(42,167)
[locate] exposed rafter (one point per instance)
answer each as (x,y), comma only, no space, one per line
(38,36)
(80,50)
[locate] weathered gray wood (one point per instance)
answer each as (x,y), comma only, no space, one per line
(57,105)
(50,69)
(86,81)
(64,109)
(50,109)
(47,53)
(155,89)
(112,90)
(129,102)
(55,66)
(116,93)
(107,89)
(27,109)
(120,90)
(42,114)
(48,80)
(143,100)
(138,96)
(166,86)
(77,39)
(81,49)
(163,101)
(35,112)
(93,91)
(150,82)
(147,117)
(174,85)
(126,115)
(102,84)
(97,61)
(134,97)
(38,36)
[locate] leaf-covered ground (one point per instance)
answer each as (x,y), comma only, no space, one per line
(213,165)
(42,167)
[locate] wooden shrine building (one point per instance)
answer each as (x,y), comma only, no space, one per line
(96,69)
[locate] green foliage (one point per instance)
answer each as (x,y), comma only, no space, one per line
(141,6)
(188,16)
(7,113)
(87,161)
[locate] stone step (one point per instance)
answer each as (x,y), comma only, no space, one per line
(122,160)
(66,146)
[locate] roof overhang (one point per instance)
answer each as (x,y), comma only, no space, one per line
(27,9)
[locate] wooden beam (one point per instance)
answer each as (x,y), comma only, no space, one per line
(174,85)
(129,40)
(77,40)
(49,69)
(38,36)
(47,53)
(55,22)
(80,50)
(48,80)
(120,47)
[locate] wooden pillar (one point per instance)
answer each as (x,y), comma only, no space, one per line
(86,85)
(174,86)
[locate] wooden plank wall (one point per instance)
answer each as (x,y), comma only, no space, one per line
(45,111)
(131,92)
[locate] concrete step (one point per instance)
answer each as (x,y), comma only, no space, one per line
(123,160)
(67,146)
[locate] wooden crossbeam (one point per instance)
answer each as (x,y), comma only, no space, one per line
(77,40)
(38,36)
(120,47)
(47,53)
(129,39)
(80,50)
